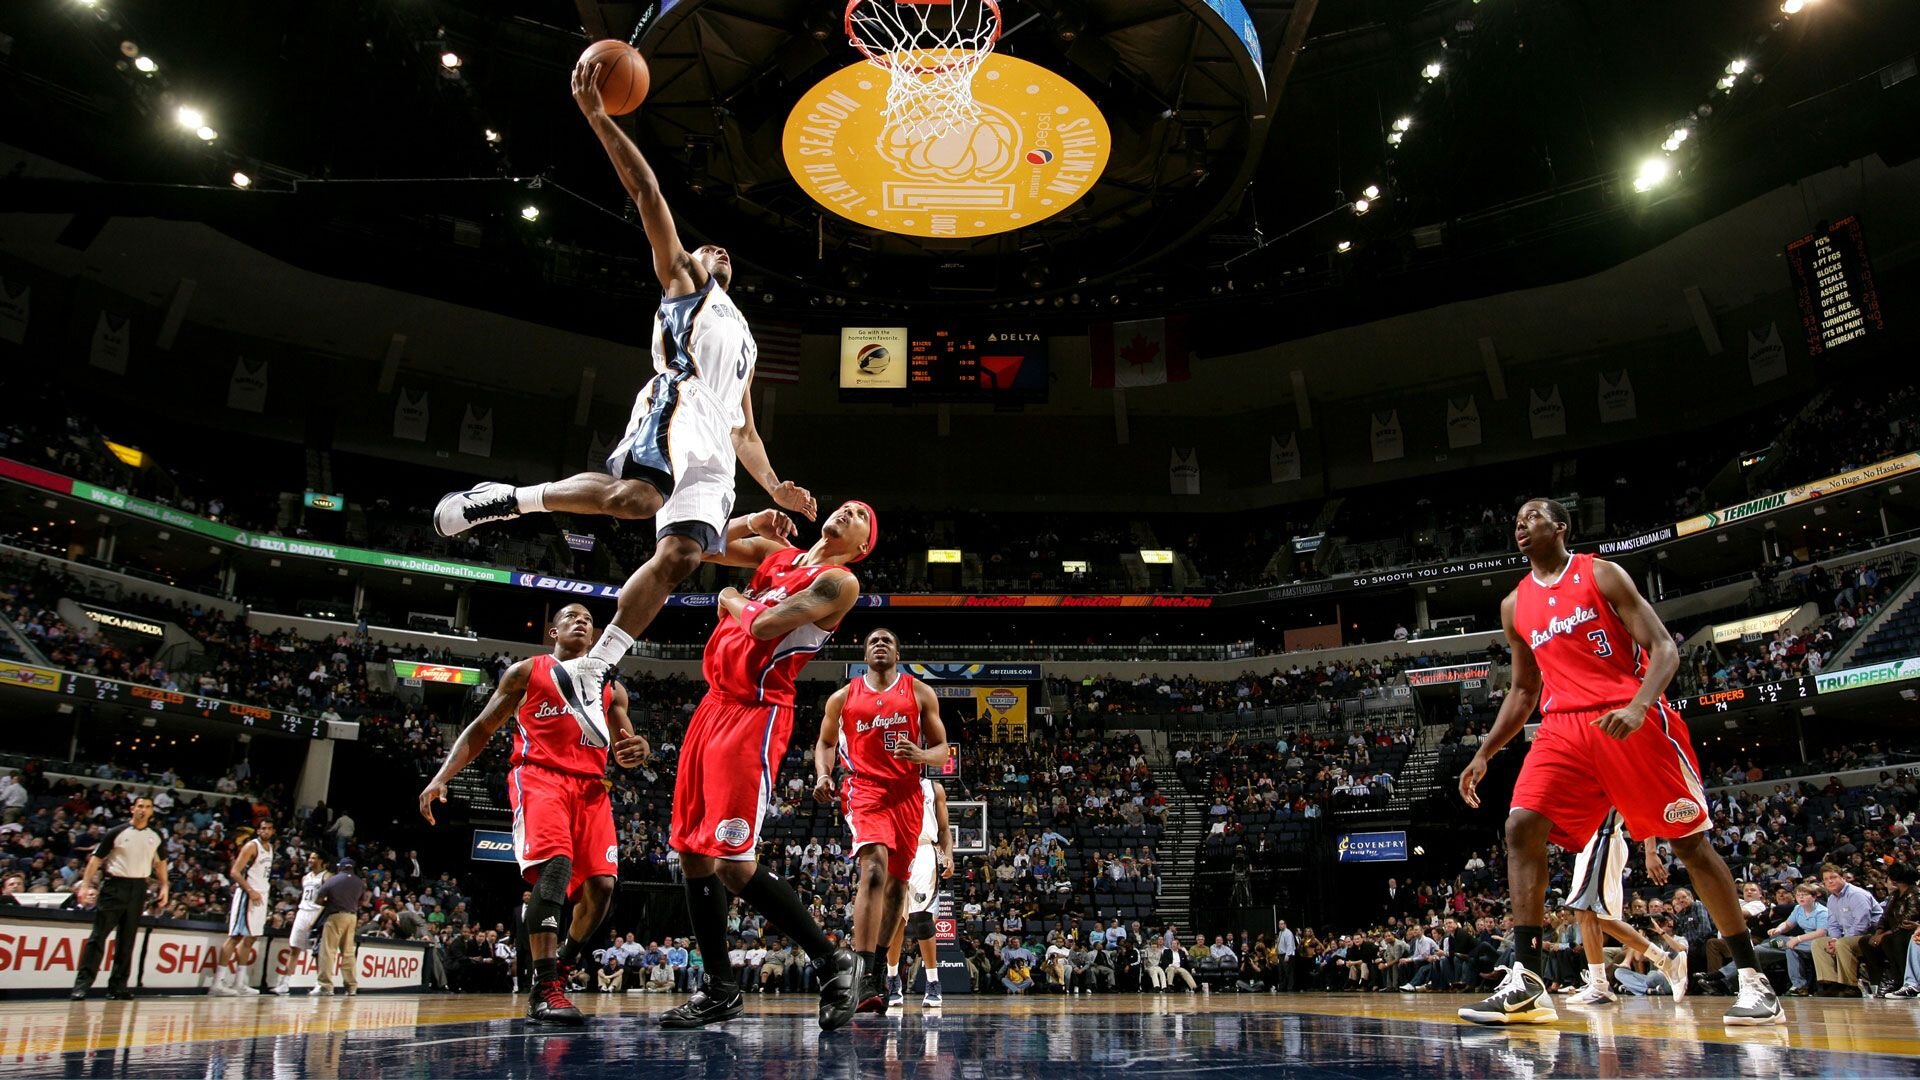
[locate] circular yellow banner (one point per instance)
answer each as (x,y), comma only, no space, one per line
(1038,146)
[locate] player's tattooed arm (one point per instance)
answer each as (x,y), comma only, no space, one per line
(825,602)
(506,697)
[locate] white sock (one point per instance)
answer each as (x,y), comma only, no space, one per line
(613,645)
(1656,954)
(532,500)
(1598,972)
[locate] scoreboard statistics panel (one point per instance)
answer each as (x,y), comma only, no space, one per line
(1787,692)
(957,363)
(1833,282)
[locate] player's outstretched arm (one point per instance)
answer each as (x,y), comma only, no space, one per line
(752,454)
(506,697)
(824,603)
(677,271)
(753,537)
(1522,696)
(826,745)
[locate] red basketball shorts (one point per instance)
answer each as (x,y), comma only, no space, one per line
(726,771)
(557,813)
(1574,774)
(888,816)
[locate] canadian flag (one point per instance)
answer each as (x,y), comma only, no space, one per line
(1145,352)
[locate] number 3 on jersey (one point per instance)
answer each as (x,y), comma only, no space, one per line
(1601,646)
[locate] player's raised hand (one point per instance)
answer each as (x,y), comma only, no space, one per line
(1470,778)
(434,792)
(1656,870)
(906,751)
(772,525)
(1620,723)
(823,790)
(631,751)
(586,88)
(797,499)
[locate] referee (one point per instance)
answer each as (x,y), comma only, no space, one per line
(130,853)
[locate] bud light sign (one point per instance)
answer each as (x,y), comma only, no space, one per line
(491,846)
(1373,847)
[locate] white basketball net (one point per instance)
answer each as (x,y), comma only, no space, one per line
(931,50)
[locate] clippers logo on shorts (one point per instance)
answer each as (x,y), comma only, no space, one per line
(613,853)
(733,832)
(1680,811)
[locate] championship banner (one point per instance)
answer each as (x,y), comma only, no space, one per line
(476,432)
(1766,356)
(16,306)
(1452,673)
(1387,439)
(33,678)
(492,846)
(112,340)
(1892,671)
(1373,847)
(247,389)
(1463,422)
(1546,416)
(1832,485)
(1183,471)
(1616,398)
(410,415)
(437,673)
(1283,459)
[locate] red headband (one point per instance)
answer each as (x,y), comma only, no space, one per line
(873,528)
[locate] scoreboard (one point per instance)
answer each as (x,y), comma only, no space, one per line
(175,703)
(1747,697)
(962,363)
(1833,283)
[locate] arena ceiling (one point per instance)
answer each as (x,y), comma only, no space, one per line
(369,157)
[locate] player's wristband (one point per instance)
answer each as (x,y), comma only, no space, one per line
(749,611)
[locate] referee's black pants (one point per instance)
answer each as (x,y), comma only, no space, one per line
(121,902)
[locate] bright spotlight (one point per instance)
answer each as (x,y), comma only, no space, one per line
(449,60)
(493,137)
(530,213)
(1431,71)
(1737,67)
(1792,7)
(242,180)
(87,3)
(190,117)
(1372,192)
(1394,137)
(206,134)
(1673,141)
(1403,124)
(1343,246)
(146,64)
(1725,83)
(1653,172)
(1361,206)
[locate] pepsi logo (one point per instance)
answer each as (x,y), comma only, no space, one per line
(1039,155)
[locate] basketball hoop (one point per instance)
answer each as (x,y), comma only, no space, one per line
(931,50)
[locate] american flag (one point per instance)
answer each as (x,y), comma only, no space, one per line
(779,360)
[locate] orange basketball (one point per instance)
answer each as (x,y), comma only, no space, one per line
(623,75)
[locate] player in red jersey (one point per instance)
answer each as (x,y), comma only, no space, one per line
(1590,652)
(563,833)
(876,724)
(732,749)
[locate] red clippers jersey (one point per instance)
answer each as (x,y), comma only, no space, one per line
(872,723)
(743,668)
(1588,660)
(549,736)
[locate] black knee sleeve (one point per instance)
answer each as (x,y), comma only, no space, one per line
(919,926)
(550,896)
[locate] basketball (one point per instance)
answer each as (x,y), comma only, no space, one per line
(623,75)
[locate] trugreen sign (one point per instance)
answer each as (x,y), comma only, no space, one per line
(1872,675)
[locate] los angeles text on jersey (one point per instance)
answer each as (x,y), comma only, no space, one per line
(1557,625)
(882,723)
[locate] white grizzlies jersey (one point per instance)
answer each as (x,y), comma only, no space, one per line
(702,339)
(310,890)
(261,866)
(929,820)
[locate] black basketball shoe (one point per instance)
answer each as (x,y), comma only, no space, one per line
(711,1004)
(549,1005)
(837,999)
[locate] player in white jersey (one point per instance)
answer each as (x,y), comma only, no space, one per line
(247,917)
(932,861)
(301,936)
(690,425)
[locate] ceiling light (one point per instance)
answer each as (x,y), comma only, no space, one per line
(242,180)
(146,64)
(1431,71)
(1737,67)
(1372,191)
(1394,137)
(492,136)
(449,60)
(1653,172)
(1343,246)
(1403,124)
(1791,7)
(1361,206)
(190,117)
(1725,83)
(530,212)
(206,133)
